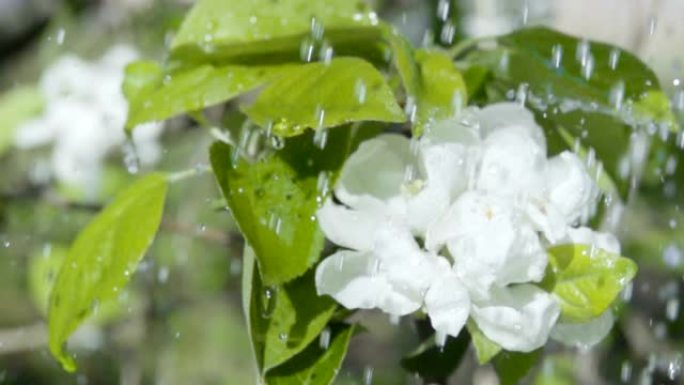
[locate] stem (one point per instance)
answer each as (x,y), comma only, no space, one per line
(200,169)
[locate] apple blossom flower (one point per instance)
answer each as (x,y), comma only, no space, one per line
(84,118)
(483,201)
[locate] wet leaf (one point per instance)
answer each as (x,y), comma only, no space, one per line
(485,349)
(316,365)
(16,107)
(153,96)
(511,367)
(234,30)
(284,319)
(586,280)
(436,363)
(322,95)
(102,259)
(274,198)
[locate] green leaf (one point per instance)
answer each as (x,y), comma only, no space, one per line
(283,320)
(442,90)
(322,95)
(315,365)
(102,259)
(232,30)
(274,198)
(485,349)
(17,106)
(599,103)
(434,363)
(155,97)
(587,280)
(511,367)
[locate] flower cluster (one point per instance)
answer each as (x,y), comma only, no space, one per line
(457,223)
(84,118)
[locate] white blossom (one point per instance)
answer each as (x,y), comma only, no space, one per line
(484,201)
(84,118)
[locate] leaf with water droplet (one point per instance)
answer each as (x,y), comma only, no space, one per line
(95,267)
(267,30)
(314,365)
(284,322)
(586,280)
(323,95)
(187,90)
(280,191)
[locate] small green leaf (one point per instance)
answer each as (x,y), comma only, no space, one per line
(317,364)
(17,106)
(154,97)
(434,363)
(511,367)
(322,95)
(102,259)
(587,280)
(232,30)
(282,320)
(485,349)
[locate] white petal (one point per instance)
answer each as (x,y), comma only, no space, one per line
(353,279)
(507,114)
(527,261)
(584,335)
(448,305)
(570,187)
(547,219)
(353,229)
(375,172)
(462,130)
(587,236)
(518,318)
(512,163)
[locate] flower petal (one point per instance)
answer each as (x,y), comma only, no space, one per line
(587,236)
(527,261)
(353,279)
(353,229)
(448,305)
(518,318)
(570,187)
(586,334)
(375,172)
(547,219)
(512,163)
(462,130)
(507,114)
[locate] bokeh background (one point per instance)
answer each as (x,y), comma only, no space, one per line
(180,321)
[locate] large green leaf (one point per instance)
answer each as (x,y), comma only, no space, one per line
(322,95)
(17,106)
(102,259)
(233,30)
(274,198)
(511,367)
(154,96)
(596,92)
(319,363)
(485,349)
(587,279)
(435,363)
(282,320)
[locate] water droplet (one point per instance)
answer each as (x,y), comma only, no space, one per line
(617,95)
(443,8)
(673,256)
(60,36)
(324,339)
(306,49)
(448,32)
(626,371)
(556,55)
(282,336)
(672,309)
(163,274)
(367,375)
(360,91)
(613,58)
(268,301)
